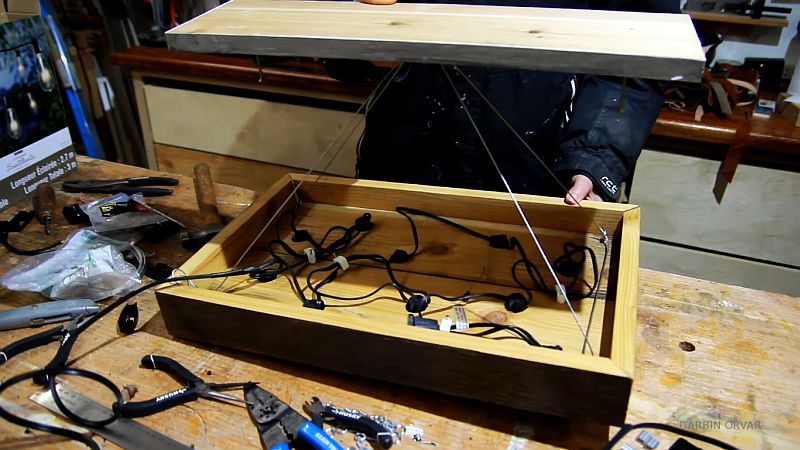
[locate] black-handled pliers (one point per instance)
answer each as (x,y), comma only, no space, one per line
(195,388)
(64,334)
(124,185)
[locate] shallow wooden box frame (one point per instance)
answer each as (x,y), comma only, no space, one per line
(372,338)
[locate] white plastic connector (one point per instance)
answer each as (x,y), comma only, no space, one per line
(446,324)
(560,291)
(342,262)
(311,255)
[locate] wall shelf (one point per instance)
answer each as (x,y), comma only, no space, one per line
(764,21)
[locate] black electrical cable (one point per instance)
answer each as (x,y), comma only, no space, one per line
(496,241)
(495,327)
(58,364)
(70,434)
(16,250)
(665,427)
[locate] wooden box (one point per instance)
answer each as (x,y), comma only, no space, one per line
(372,338)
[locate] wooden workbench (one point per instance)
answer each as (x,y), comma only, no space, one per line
(740,371)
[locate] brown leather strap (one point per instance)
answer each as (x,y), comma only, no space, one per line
(732,157)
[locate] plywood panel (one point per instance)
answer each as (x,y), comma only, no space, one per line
(277,133)
(758,216)
(662,46)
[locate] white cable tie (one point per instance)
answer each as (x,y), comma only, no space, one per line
(342,262)
(560,290)
(446,324)
(311,255)
(189,282)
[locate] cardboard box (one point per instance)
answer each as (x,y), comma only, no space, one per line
(35,142)
(789,110)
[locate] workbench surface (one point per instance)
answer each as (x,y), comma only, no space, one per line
(708,356)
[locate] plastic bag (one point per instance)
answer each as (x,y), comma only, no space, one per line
(87,266)
(121,211)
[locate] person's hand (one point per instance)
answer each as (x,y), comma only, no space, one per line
(580,189)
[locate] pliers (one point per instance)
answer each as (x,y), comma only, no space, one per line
(280,426)
(124,185)
(195,388)
(63,334)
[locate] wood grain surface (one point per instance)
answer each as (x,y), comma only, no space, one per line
(705,353)
(660,46)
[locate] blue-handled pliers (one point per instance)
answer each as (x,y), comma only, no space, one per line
(280,426)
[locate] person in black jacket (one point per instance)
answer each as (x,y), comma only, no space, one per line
(586,130)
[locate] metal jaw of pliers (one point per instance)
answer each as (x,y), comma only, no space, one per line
(280,426)
(195,387)
(124,185)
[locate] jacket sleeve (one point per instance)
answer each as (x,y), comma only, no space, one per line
(607,131)
(609,124)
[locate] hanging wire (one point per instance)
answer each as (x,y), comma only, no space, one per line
(365,106)
(559,285)
(603,240)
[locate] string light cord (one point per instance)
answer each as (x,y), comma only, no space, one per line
(495,327)
(502,241)
(627,428)
(524,218)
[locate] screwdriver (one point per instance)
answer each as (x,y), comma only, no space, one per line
(44,202)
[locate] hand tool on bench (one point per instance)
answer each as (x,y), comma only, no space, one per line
(44,202)
(63,334)
(349,419)
(125,185)
(211,222)
(195,387)
(46,313)
(126,433)
(280,426)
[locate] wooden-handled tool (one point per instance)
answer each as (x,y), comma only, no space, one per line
(44,202)
(211,222)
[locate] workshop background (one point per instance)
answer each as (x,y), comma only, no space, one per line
(695,221)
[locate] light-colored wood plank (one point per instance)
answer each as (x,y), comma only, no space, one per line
(626,282)
(144,120)
(757,217)
(254,175)
(446,251)
(741,366)
(274,132)
(661,46)
(521,378)
(546,212)
(270,319)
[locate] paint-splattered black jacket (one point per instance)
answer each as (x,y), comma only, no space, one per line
(417,131)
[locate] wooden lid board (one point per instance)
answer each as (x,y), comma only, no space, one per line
(646,45)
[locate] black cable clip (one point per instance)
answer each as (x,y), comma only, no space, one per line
(364,223)
(516,302)
(417,303)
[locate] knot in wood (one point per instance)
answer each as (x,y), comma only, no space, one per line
(438,249)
